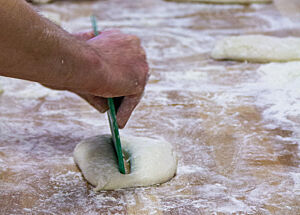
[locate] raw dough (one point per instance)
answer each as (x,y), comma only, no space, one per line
(225,1)
(257,48)
(152,162)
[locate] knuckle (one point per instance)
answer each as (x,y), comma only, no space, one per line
(111,32)
(143,53)
(134,39)
(103,110)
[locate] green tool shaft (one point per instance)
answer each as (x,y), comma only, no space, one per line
(112,118)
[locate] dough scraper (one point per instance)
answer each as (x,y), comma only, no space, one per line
(124,166)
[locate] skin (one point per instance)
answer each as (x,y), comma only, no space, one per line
(112,64)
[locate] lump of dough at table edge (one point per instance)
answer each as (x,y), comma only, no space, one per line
(257,48)
(152,162)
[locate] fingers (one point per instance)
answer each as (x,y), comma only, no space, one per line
(84,35)
(126,108)
(97,102)
(110,32)
(124,111)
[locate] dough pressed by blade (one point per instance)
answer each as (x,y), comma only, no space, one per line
(152,162)
(257,48)
(225,1)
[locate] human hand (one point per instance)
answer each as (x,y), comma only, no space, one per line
(124,63)
(112,64)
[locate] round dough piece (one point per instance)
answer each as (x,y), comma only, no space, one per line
(152,162)
(257,48)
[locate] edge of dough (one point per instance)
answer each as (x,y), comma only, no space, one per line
(257,48)
(152,162)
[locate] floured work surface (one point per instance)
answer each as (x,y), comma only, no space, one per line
(151,162)
(234,125)
(257,48)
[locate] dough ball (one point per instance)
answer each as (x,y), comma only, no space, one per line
(257,48)
(152,162)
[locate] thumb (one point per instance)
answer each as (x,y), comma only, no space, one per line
(84,35)
(97,102)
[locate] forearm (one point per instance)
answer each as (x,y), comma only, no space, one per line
(35,49)
(112,64)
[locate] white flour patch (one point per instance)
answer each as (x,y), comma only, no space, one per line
(280,92)
(296,179)
(183,170)
(30,90)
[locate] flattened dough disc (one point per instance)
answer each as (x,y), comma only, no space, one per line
(257,48)
(152,162)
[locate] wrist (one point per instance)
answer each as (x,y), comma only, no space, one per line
(84,72)
(93,75)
